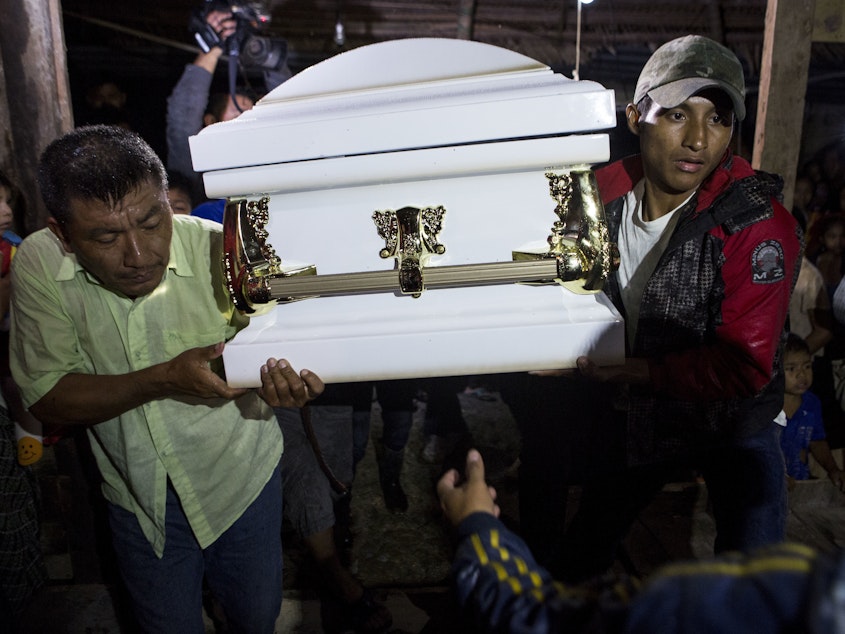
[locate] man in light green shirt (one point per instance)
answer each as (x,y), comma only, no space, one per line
(119,316)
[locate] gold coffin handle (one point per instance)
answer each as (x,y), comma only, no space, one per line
(579,240)
(411,236)
(249,261)
(580,255)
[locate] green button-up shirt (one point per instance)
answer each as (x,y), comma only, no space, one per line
(218,453)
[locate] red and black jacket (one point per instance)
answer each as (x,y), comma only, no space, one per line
(713,312)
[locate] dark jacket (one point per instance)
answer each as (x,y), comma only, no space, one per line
(783,588)
(713,312)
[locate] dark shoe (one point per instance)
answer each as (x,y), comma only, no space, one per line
(394,497)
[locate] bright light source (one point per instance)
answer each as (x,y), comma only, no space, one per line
(575,70)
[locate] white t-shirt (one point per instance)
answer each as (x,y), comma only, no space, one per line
(641,243)
(806,295)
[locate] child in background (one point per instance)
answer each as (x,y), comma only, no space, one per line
(9,241)
(179,193)
(28,432)
(22,569)
(804,431)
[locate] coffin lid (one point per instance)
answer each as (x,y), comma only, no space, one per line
(404,95)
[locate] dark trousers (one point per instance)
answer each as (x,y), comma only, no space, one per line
(243,567)
(745,481)
(565,440)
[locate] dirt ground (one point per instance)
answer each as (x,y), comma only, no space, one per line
(413,548)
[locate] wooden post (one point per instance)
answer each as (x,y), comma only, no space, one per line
(7,148)
(34,93)
(466,19)
(783,85)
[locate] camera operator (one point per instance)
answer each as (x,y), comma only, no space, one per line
(190,107)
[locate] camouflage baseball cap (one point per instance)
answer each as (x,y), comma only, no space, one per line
(681,68)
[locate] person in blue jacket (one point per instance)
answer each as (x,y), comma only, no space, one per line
(786,587)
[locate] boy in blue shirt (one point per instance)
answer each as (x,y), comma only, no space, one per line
(804,431)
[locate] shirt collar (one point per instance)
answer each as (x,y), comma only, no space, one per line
(178,263)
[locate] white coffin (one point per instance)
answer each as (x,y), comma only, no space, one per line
(422,123)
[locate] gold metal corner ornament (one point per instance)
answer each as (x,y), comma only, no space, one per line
(411,236)
(249,261)
(579,239)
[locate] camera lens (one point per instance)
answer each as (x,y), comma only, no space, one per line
(263,52)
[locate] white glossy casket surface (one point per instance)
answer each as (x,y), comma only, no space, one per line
(402,95)
(420,123)
(449,331)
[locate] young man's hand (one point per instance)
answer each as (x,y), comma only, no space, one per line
(633,370)
(281,386)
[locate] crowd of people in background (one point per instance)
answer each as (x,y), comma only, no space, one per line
(317,497)
(819,206)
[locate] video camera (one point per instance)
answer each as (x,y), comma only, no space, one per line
(254,50)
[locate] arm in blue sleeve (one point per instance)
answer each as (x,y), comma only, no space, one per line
(502,589)
(786,587)
(783,588)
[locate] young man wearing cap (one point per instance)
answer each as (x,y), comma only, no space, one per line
(708,261)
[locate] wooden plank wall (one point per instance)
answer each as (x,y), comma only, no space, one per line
(35,103)
(783,84)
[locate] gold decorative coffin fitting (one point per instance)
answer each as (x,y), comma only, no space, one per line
(579,254)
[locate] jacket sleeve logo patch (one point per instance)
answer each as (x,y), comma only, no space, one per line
(767,263)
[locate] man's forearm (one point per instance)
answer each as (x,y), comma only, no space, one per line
(87,399)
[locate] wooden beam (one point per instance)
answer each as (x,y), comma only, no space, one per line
(714,14)
(37,94)
(787,42)
(7,145)
(466,19)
